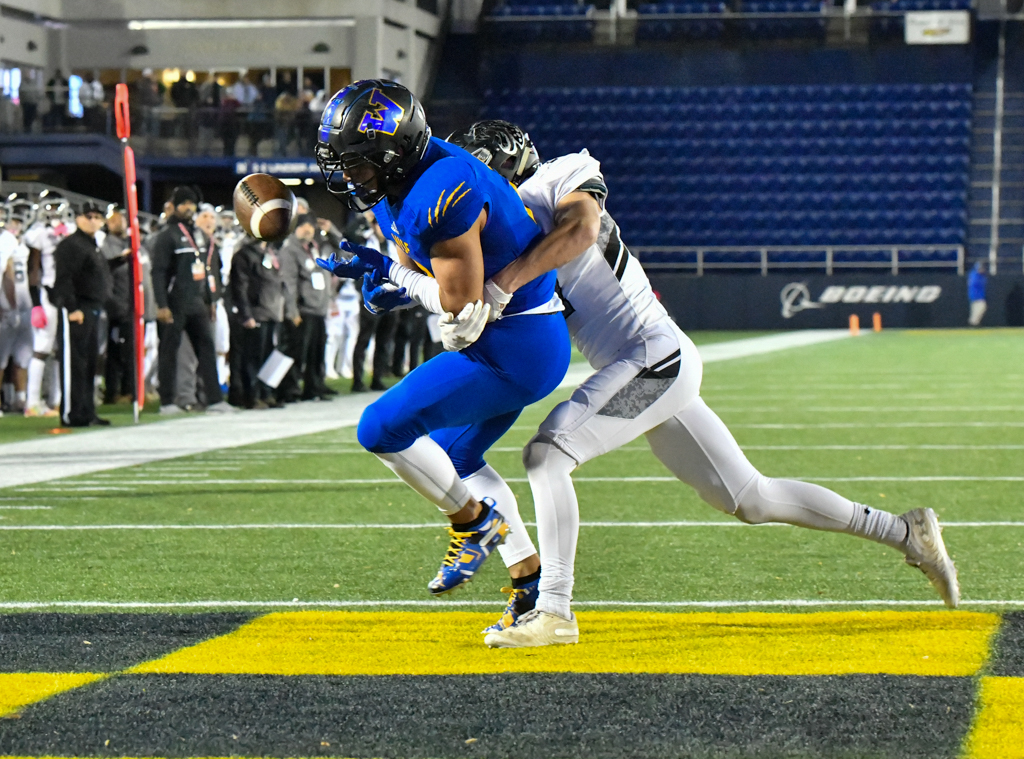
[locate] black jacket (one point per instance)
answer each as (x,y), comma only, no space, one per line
(256,289)
(175,284)
(83,277)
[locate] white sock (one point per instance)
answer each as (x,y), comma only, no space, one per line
(426,468)
(20,396)
(35,381)
(879,526)
(558,523)
(487,483)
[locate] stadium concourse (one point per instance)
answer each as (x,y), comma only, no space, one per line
(231,598)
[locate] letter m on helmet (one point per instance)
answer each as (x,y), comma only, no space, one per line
(382,115)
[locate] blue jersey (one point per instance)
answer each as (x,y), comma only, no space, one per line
(449,189)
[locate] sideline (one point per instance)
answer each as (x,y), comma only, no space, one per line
(32,461)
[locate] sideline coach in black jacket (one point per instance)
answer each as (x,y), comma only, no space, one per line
(81,288)
(256,293)
(184,274)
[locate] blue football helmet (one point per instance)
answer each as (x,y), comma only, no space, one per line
(372,123)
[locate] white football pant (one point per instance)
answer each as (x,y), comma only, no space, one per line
(627,399)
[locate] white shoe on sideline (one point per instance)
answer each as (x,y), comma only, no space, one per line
(926,551)
(222,407)
(535,628)
(170,409)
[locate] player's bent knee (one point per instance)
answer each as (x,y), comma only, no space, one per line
(752,507)
(541,453)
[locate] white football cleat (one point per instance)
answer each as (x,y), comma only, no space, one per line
(535,628)
(926,551)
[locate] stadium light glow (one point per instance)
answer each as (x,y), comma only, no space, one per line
(235,23)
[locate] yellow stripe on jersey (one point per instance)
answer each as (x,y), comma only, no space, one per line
(445,210)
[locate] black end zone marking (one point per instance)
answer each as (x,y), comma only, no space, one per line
(1008,657)
(56,642)
(522,716)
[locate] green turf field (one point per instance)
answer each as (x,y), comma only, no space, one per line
(897,420)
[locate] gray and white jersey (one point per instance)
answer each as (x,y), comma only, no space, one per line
(608,298)
(13,251)
(44,238)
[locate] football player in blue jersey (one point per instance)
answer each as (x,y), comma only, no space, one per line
(455,223)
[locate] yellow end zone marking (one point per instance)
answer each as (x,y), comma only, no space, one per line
(19,689)
(425,643)
(998,731)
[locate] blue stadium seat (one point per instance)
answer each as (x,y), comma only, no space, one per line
(786,165)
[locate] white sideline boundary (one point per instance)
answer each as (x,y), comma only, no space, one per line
(408,526)
(441,605)
(85,452)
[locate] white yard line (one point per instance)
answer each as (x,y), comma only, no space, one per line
(127,485)
(54,458)
(410,526)
(443,604)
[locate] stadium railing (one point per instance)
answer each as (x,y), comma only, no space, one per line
(751,19)
(167,130)
(825,258)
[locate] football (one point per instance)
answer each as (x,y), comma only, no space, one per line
(265,207)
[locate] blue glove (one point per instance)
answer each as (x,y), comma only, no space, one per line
(346,269)
(379,300)
(368,257)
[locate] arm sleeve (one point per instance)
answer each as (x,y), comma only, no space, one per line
(162,256)
(421,288)
(290,273)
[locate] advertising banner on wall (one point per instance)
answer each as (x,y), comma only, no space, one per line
(780,301)
(937,27)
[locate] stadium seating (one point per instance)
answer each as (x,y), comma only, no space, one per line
(573,22)
(780,27)
(762,165)
(670,29)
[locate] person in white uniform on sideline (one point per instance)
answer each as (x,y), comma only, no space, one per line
(15,308)
(647,382)
(41,238)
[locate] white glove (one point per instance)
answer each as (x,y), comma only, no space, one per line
(496,298)
(461,332)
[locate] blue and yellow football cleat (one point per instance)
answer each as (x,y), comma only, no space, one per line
(468,550)
(520,601)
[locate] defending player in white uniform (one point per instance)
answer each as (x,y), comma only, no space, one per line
(15,307)
(43,237)
(647,383)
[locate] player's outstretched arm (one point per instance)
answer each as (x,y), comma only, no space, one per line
(577,224)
